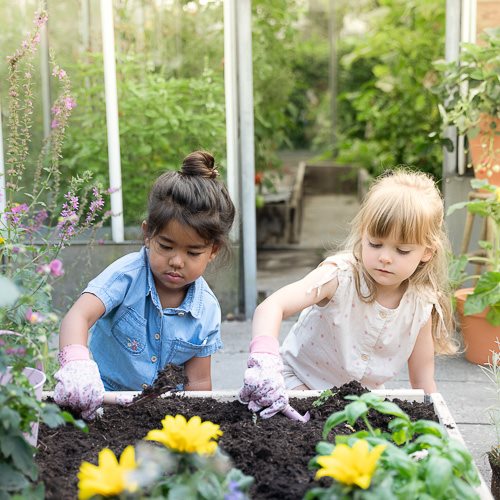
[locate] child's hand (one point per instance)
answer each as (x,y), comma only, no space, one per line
(264,386)
(79,385)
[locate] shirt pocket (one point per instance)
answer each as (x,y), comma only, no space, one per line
(183,351)
(129,330)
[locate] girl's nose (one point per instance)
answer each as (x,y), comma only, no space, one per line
(385,258)
(176,261)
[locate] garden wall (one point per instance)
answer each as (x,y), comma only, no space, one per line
(83,262)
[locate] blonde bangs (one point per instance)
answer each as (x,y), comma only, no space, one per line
(401,214)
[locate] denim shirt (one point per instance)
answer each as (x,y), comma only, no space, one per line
(135,337)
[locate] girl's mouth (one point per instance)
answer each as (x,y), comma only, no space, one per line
(384,271)
(173,277)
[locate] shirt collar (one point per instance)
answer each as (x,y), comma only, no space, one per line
(193,301)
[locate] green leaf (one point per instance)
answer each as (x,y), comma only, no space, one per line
(10,479)
(332,421)
(355,410)
(428,427)
(324,448)
(438,477)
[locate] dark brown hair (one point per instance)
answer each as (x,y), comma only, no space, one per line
(192,196)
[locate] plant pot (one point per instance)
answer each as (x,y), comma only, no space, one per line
(37,379)
(484,151)
(479,335)
(494,460)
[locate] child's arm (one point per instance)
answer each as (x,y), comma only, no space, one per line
(79,385)
(79,319)
(197,371)
(421,361)
(263,385)
(292,299)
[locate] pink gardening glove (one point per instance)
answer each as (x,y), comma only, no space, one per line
(79,385)
(263,384)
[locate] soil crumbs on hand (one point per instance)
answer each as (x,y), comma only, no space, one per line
(276,451)
(168,379)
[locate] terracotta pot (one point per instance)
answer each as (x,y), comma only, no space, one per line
(479,335)
(484,151)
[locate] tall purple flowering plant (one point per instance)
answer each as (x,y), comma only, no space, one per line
(40,217)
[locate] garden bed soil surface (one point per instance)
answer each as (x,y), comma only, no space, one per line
(275,451)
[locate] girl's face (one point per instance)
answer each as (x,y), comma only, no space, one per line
(390,262)
(177,257)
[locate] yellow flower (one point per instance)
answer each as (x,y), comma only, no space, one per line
(109,478)
(497,193)
(354,465)
(2,240)
(193,436)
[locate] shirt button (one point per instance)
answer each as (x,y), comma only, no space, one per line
(144,386)
(365,357)
(181,313)
(382,314)
(129,344)
(153,359)
(157,336)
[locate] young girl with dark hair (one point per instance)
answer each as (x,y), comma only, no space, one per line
(153,307)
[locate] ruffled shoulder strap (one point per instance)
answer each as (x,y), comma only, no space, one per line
(332,265)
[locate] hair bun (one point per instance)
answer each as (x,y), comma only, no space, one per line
(200,163)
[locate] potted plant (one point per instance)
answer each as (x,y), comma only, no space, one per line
(479,306)
(469,90)
(492,371)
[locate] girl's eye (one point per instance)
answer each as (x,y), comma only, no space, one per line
(195,254)
(164,247)
(403,252)
(374,245)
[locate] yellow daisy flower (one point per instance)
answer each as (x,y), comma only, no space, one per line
(350,466)
(110,477)
(193,436)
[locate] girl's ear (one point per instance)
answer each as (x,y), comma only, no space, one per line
(429,252)
(213,254)
(144,227)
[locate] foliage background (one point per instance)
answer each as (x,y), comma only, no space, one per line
(170,74)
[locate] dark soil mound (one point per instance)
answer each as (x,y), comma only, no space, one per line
(275,451)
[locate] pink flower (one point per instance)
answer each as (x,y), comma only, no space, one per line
(56,268)
(69,102)
(33,317)
(43,269)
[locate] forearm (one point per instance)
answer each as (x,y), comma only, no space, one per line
(267,320)
(74,330)
(428,385)
(204,384)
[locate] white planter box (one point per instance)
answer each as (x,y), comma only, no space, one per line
(442,411)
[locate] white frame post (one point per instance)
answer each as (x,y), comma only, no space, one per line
(238,81)
(115,174)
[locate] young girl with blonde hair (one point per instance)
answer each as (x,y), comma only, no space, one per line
(367,311)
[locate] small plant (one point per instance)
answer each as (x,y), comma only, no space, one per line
(188,465)
(485,292)
(323,398)
(469,90)
(19,411)
(415,460)
(39,220)
(492,371)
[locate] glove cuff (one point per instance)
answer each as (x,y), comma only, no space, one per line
(265,344)
(72,352)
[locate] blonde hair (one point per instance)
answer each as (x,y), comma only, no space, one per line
(407,206)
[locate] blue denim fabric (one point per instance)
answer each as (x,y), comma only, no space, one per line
(136,338)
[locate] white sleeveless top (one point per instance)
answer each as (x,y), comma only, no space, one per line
(348,339)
